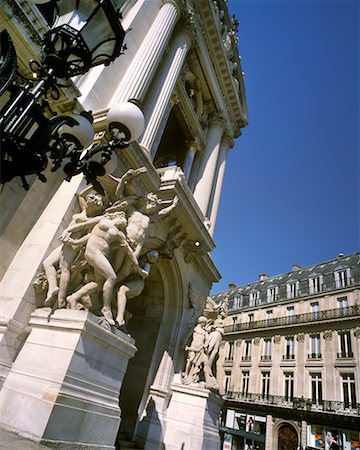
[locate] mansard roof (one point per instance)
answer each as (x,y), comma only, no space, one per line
(302,274)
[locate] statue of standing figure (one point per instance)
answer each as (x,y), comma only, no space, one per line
(204,348)
(105,248)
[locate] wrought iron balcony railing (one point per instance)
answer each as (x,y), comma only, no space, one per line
(345,355)
(305,404)
(314,355)
(288,357)
(350,311)
(265,357)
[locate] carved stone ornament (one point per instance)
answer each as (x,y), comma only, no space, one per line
(357,332)
(277,339)
(328,335)
(300,337)
(105,256)
(256,341)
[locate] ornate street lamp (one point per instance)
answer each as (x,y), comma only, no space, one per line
(83,34)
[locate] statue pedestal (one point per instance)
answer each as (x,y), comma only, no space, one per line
(65,384)
(193,418)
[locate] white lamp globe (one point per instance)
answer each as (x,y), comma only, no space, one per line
(82,134)
(125,121)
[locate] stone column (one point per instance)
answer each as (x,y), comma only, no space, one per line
(221,165)
(189,159)
(139,74)
(207,170)
(161,94)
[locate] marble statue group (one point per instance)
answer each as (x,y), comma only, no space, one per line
(104,257)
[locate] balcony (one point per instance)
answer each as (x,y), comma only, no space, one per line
(296,403)
(288,357)
(314,356)
(265,357)
(246,358)
(345,355)
(298,319)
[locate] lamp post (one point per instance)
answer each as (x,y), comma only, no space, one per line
(83,34)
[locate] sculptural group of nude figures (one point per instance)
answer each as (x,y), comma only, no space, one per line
(104,259)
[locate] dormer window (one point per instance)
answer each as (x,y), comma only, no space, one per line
(315,284)
(292,289)
(272,294)
(342,277)
(254,298)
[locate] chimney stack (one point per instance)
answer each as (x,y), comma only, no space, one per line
(295,267)
(263,277)
(232,286)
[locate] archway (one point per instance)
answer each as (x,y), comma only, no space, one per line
(287,438)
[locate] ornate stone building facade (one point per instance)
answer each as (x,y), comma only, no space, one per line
(65,361)
(291,359)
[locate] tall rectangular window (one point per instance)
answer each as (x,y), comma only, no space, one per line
(254,298)
(316,388)
(289,347)
(349,392)
(227,380)
(345,345)
(272,294)
(247,350)
(314,310)
(315,351)
(269,317)
(229,356)
(245,383)
(267,350)
(315,284)
(289,385)
(290,314)
(342,305)
(265,384)
(342,278)
(292,289)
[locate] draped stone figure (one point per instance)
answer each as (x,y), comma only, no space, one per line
(104,257)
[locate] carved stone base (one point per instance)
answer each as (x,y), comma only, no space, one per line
(193,418)
(64,386)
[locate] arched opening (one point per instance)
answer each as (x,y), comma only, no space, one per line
(287,438)
(147,311)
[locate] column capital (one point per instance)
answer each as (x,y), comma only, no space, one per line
(227,141)
(216,119)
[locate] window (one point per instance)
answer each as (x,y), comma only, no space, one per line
(247,351)
(345,345)
(342,278)
(227,379)
(250,319)
(314,310)
(315,346)
(269,317)
(230,352)
(342,305)
(292,289)
(237,302)
(289,347)
(265,387)
(316,388)
(234,321)
(245,383)
(348,382)
(315,284)
(290,314)
(267,350)
(254,298)
(272,294)
(289,385)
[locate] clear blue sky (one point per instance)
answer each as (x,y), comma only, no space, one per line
(291,189)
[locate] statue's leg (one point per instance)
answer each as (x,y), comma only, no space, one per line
(50,264)
(88,289)
(67,257)
(121,304)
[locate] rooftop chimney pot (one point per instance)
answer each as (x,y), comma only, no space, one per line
(296,267)
(263,277)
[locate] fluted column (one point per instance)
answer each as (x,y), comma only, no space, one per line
(221,165)
(161,94)
(189,159)
(207,170)
(139,74)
